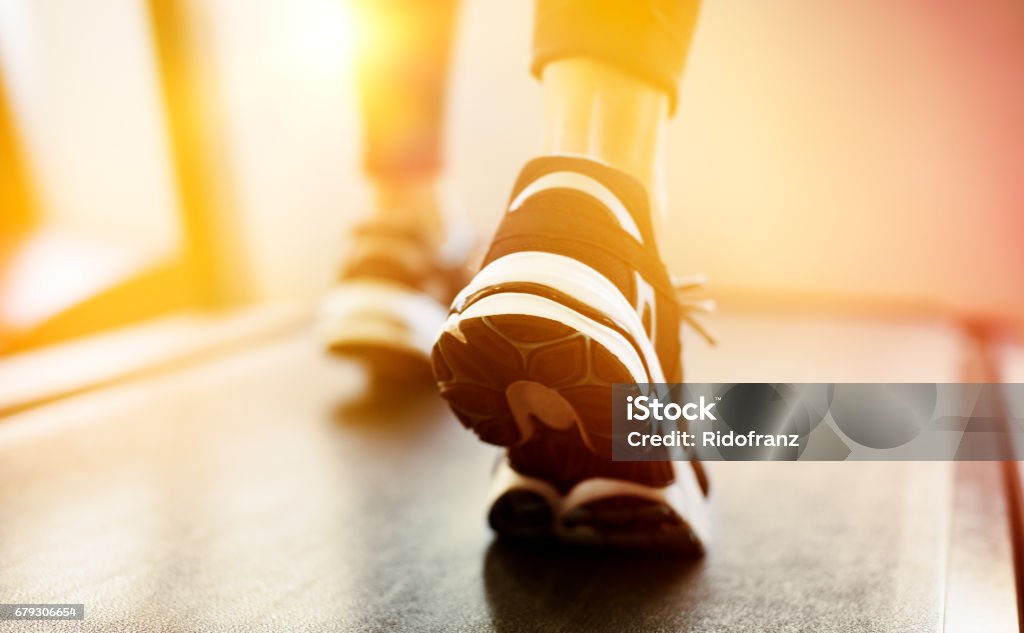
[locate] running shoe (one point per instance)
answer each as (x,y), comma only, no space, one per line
(388,303)
(572,298)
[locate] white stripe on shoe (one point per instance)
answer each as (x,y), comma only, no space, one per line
(684,496)
(506,479)
(534,305)
(585,184)
(575,279)
(371,311)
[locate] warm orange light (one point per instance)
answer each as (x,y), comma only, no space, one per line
(53,271)
(324,36)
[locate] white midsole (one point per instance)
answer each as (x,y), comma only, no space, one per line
(379,311)
(684,496)
(506,479)
(573,278)
(532,305)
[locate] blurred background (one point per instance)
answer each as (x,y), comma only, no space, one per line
(174,155)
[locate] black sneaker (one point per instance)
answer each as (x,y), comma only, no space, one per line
(389,301)
(571,299)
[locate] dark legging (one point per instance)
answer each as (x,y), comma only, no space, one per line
(647,39)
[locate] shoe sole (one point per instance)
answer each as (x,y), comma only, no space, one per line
(386,328)
(618,514)
(543,390)
(602,513)
(517,380)
(522,508)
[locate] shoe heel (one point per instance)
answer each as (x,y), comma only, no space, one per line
(541,389)
(508,376)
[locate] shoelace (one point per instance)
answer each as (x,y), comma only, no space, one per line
(690,306)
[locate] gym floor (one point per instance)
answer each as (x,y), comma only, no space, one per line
(253,488)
